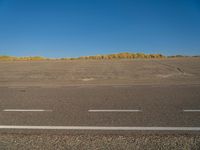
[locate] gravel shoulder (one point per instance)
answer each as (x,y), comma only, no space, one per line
(110,142)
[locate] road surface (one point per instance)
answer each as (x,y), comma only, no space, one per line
(113,109)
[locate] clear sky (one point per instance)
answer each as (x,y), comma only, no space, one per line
(71,28)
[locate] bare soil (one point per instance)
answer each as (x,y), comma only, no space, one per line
(73,72)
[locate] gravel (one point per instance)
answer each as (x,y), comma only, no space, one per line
(98,142)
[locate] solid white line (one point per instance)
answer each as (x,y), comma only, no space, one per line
(102,128)
(40,110)
(191,110)
(114,110)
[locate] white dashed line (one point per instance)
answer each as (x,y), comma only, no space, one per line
(114,110)
(191,110)
(25,110)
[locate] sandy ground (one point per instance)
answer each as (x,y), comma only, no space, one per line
(64,73)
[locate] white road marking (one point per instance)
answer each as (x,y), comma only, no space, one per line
(101,128)
(87,79)
(114,110)
(21,110)
(191,110)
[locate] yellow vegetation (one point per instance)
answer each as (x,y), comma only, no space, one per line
(97,57)
(123,56)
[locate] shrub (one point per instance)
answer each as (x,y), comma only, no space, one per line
(97,57)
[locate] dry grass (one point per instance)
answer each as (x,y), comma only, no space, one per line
(97,57)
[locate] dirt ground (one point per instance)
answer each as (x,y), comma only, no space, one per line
(78,72)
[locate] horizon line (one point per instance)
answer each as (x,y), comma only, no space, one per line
(42,56)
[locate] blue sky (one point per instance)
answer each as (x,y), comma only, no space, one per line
(71,28)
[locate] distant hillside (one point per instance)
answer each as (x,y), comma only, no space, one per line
(97,57)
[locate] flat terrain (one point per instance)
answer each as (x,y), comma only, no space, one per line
(88,104)
(100,72)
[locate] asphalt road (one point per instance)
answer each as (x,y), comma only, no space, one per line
(106,109)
